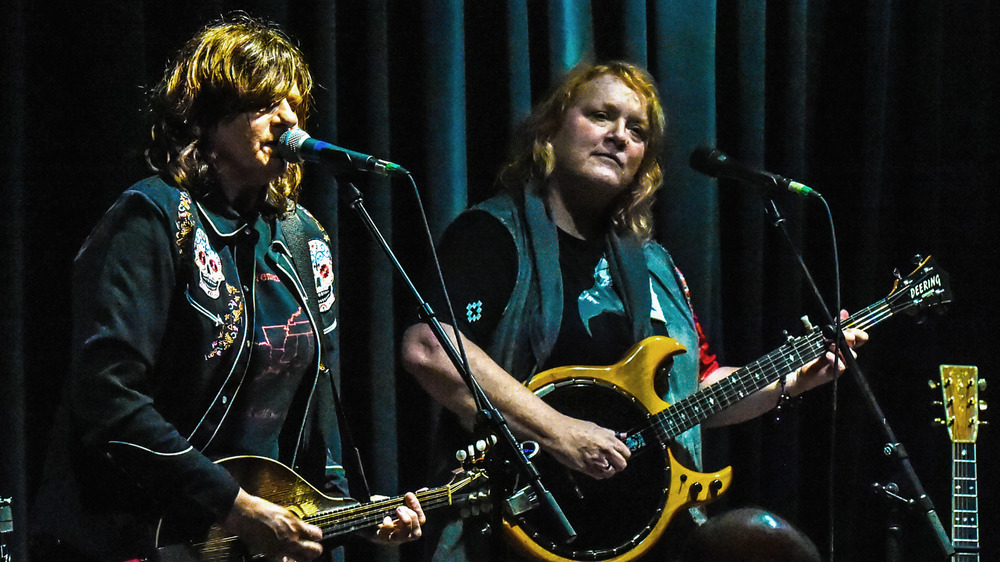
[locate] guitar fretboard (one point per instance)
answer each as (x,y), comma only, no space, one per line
(703,404)
(964,502)
(352,518)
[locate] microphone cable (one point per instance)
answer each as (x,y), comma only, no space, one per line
(444,287)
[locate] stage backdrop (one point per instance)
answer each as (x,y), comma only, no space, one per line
(889,109)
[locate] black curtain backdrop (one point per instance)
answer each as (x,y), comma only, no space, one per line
(887,108)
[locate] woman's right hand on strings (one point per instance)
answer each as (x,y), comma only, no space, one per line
(272,531)
(588,448)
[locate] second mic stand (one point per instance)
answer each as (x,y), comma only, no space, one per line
(893,447)
(487,416)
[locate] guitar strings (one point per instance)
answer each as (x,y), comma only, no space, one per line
(697,407)
(370,513)
(361,515)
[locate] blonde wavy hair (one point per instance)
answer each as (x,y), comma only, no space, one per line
(532,160)
(236,65)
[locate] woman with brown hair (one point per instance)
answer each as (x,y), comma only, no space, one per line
(204,307)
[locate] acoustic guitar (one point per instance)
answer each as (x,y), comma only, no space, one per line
(960,386)
(278,484)
(622,517)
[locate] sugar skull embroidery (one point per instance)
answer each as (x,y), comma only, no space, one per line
(209,265)
(322,265)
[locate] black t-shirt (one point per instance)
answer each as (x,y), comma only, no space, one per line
(594,328)
(479,262)
(283,350)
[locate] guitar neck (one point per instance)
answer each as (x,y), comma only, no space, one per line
(705,403)
(964,502)
(352,518)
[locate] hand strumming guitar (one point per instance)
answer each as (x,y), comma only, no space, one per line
(269,529)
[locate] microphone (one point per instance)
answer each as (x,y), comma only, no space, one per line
(715,163)
(295,145)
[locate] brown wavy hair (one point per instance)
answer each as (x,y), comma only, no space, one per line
(532,160)
(231,66)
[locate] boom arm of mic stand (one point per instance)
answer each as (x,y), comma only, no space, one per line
(487,414)
(893,447)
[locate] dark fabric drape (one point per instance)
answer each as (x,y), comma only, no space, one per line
(13,467)
(887,108)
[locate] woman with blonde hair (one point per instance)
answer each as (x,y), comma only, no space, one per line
(559,269)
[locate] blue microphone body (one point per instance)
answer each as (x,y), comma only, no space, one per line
(296,145)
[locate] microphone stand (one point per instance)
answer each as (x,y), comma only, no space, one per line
(892,447)
(893,545)
(487,416)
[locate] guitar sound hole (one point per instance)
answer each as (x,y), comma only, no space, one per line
(610,516)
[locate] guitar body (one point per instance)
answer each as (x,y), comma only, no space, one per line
(278,484)
(622,517)
(259,476)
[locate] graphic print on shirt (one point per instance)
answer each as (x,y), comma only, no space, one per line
(656,311)
(210,275)
(283,344)
(322,266)
(600,298)
(281,355)
(474,311)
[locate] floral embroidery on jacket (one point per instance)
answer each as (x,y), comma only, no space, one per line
(326,237)
(185,225)
(230,324)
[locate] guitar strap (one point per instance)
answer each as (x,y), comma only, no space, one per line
(299,246)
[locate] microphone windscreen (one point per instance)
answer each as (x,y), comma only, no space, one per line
(290,144)
(707,160)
